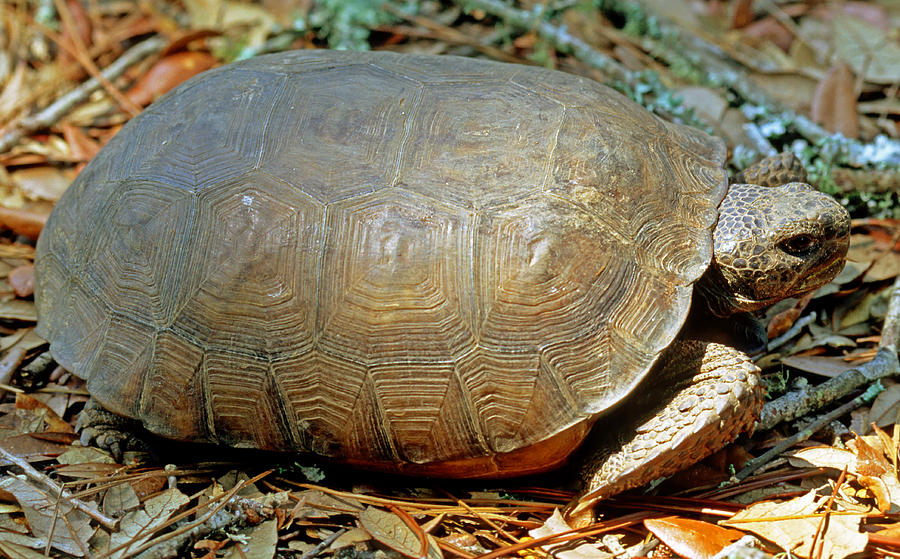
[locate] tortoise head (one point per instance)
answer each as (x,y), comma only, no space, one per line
(773,242)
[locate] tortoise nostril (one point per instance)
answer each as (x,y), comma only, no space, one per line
(797,245)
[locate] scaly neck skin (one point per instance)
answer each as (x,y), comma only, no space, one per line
(713,318)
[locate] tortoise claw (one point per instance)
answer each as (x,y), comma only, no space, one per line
(108,431)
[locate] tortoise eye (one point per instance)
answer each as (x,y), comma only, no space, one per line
(797,245)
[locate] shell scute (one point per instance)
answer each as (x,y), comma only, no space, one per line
(309,138)
(398,280)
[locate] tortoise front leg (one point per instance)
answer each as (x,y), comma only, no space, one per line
(699,397)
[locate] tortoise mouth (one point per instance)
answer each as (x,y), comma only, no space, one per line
(810,282)
(821,276)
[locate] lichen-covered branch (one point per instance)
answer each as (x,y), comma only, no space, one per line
(795,404)
(556,35)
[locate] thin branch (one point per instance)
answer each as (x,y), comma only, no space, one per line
(804,433)
(557,35)
(451,34)
(794,404)
(53,112)
(792,331)
(107,522)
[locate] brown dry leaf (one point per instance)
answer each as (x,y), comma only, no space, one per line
(86,470)
(827,366)
(823,457)
(18,309)
(887,266)
(556,524)
(352,536)
(21,279)
(24,338)
(10,363)
(741,13)
(31,448)
(258,542)
(783,321)
(884,409)
(82,147)
(211,546)
(254,22)
(86,455)
(23,222)
(870,51)
(16,551)
(167,73)
(858,310)
(51,421)
(119,499)
(863,250)
(798,522)
(793,90)
(834,102)
(692,539)
(867,11)
(390,530)
(44,513)
(76,29)
(771,30)
(708,104)
(147,485)
(865,459)
(13,93)
(42,183)
(138,526)
(313,503)
(876,471)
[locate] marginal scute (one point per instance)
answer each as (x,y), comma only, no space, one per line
(78,325)
(425,264)
(172,402)
(319,392)
(242,403)
(413,397)
(122,359)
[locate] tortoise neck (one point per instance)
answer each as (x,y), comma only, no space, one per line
(741,330)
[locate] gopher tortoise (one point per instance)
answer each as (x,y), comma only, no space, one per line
(427,265)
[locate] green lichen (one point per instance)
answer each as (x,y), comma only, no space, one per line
(346,24)
(646,89)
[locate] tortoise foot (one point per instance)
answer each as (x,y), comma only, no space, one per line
(716,395)
(108,431)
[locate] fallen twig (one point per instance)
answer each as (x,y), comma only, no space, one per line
(107,522)
(558,36)
(53,112)
(166,545)
(805,433)
(885,363)
(793,331)
(452,35)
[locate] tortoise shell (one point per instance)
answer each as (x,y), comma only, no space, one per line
(426,264)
